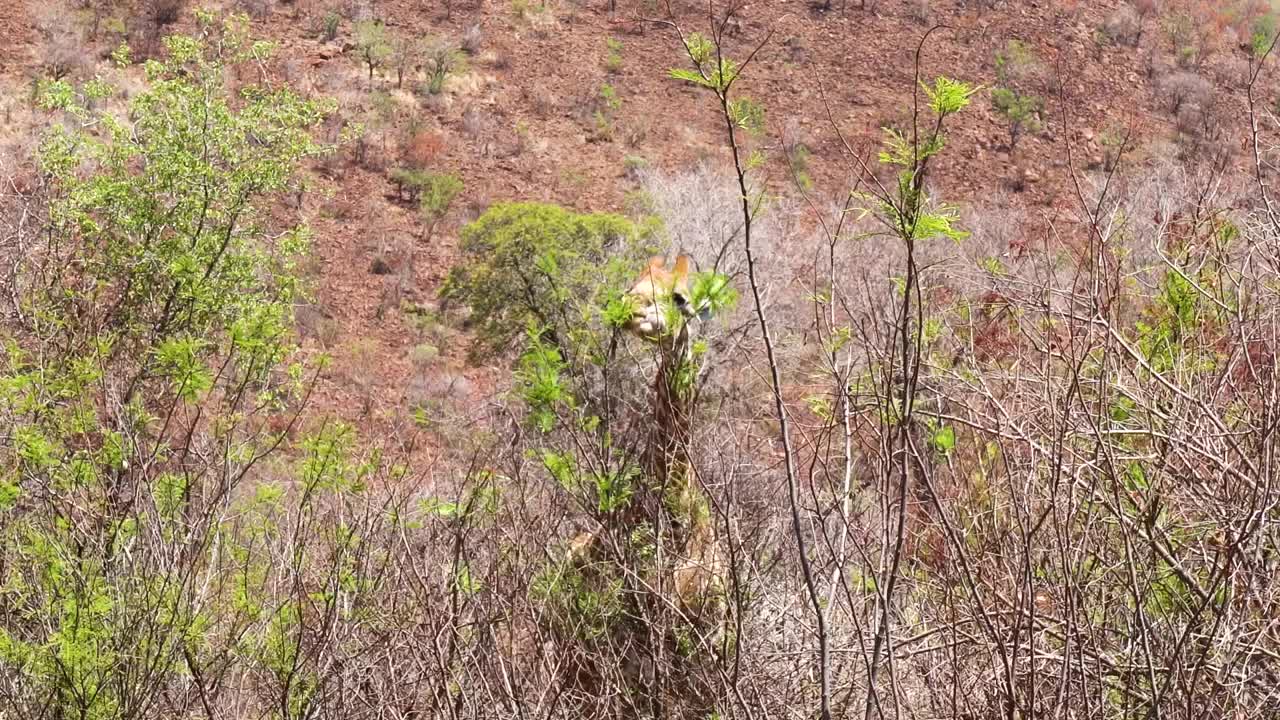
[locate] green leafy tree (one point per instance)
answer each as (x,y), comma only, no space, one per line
(438,193)
(157,319)
(1018,74)
(533,263)
(1021,112)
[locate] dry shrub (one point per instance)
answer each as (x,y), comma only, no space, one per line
(1183,88)
(541,99)
(162,13)
(392,257)
(920,11)
(472,39)
(422,150)
(543,25)
(358,10)
(1124,26)
(64,52)
(315,321)
(438,391)
(635,131)
(1146,8)
(476,123)
(63,56)
(498,60)
(341,208)
(258,9)
(1208,133)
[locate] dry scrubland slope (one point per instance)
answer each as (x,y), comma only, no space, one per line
(1006,450)
(520,123)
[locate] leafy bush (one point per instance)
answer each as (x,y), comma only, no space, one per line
(1262,33)
(1018,67)
(409,182)
(530,263)
(329,26)
(608,104)
(1021,112)
(438,193)
(129,401)
(613,56)
(423,356)
(1018,72)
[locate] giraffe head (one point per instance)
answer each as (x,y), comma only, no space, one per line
(655,291)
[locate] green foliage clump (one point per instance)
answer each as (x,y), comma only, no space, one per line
(434,192)
(906,210)
(423,356)
(713,70)
(540,382)
(711,294)
(798,156)
(1021,112)
(579,604)
(409,182)
(438,193)
(329,26)
(613,56)
(604,491)
(1016,64)
(1263,33)
(1017,74)
(174,326)
(1164,336)
(608,105)
(539,264)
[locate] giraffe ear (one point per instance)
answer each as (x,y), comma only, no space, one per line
(681,270)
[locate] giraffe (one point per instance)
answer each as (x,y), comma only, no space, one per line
(660,300)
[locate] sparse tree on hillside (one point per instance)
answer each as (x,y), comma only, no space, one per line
(442,59)
(373,44)
(404,55)
(1018,73)
(1021,112)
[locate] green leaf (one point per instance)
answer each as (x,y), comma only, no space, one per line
(690,76)
(948,96)
(748,115)
(944,440)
